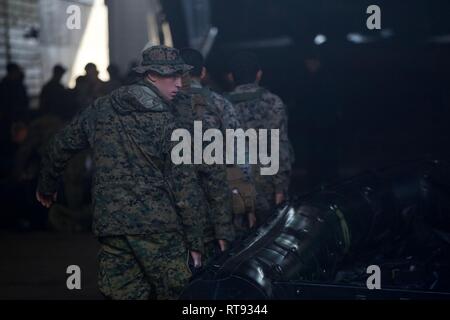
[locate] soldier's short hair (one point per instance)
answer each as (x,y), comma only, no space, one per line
(244,66)
(193,58)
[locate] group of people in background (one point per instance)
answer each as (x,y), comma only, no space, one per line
(24,132)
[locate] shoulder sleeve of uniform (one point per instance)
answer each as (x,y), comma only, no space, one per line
(274,100)
(228,113)
(137,98)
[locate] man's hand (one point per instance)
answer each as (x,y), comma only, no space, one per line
(46,200)
(196,258)
(279,197)
(223,244)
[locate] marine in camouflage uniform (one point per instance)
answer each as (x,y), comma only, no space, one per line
(258,108)
(146,210)
(198,103)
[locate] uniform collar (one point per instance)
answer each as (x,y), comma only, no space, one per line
(248,87)
(195,83)
(154,89)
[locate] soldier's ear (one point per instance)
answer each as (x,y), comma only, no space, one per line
(151,77)
(259,75)
(203,74)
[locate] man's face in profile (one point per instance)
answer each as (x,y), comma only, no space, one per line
(168,86)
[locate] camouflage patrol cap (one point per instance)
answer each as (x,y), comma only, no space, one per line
(163,60)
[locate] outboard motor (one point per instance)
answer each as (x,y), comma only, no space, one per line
(308,239)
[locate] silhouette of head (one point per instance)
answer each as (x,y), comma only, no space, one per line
(195,59)
(14,71)
(91,70)
(58,71)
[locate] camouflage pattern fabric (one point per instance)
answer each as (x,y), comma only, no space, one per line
(162,60)
(143,267)
(200,104)
(258,108)
(136,188)
(219,113)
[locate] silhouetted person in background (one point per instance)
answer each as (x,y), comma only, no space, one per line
(13,114)
(54,96)
(13,94)
(114,79)
(89,87)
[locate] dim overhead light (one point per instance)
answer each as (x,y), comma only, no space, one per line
(355,38)
(320,39)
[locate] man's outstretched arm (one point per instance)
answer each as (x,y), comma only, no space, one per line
(66,143)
